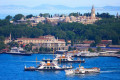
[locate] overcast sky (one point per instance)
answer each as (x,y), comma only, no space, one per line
(70,3)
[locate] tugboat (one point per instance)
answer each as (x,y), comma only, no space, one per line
(64,59)
(49,66)
(82,70)
(18,51)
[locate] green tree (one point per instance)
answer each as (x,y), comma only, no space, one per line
(91,50)
(8,17)
(2,45)
(98,49)
(18,17)
(13,44)
(29,16)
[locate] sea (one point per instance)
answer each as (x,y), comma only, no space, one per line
(12,68)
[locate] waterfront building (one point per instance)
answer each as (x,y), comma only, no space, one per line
(47,41)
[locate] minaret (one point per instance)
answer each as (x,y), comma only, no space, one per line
(93,12)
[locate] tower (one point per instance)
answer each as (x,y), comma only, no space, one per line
(93,12)
(117,16)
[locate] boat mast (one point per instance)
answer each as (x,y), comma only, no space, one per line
(36,60)
(80,64)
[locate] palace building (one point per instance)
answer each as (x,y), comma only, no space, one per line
(47,41)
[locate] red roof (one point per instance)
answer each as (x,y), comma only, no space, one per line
(61,40)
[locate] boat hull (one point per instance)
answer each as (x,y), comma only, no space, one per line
(24,54)
(36,69)
(75,61)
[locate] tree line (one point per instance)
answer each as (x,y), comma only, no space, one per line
(107,28)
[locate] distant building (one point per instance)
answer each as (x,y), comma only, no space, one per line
(47,41)
(55,19)
(114,46)
(106,41)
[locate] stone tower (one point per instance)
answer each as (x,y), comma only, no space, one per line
(93,12)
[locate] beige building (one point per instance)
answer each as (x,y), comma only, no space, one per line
(47,41)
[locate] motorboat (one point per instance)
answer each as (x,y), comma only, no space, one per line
(82,70)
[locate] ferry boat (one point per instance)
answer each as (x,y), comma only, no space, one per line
(18,51)
(64,58)
(47,66)
(86,54)
(82,70)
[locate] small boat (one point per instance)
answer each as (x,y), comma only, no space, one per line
(18,51)
(47,66)
(64,58)
(82,70)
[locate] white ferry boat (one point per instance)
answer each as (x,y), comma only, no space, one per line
(64,58)
(86,54)
(18,51)
(47,66)
(82,70)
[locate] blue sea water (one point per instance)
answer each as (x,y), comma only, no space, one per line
(12,68)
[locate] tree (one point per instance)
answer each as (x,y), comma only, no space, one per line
(8,17)
(2,45)
(18,17)
(29,16)
(90,49)
(2,38)
(13,44)
(98,49)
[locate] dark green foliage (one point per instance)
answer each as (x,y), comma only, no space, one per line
(8,17)
(28,47)
(98,48)
(29,16)
(105,15)
(2,45)
(44,15)
(107,28)
(13,44)
(18,17)
(90,49)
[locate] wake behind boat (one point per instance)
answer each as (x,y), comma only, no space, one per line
(18,51)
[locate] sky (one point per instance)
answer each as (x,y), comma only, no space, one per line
(69,3)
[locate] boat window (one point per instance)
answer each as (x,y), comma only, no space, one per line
(47,67)
(44,67)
